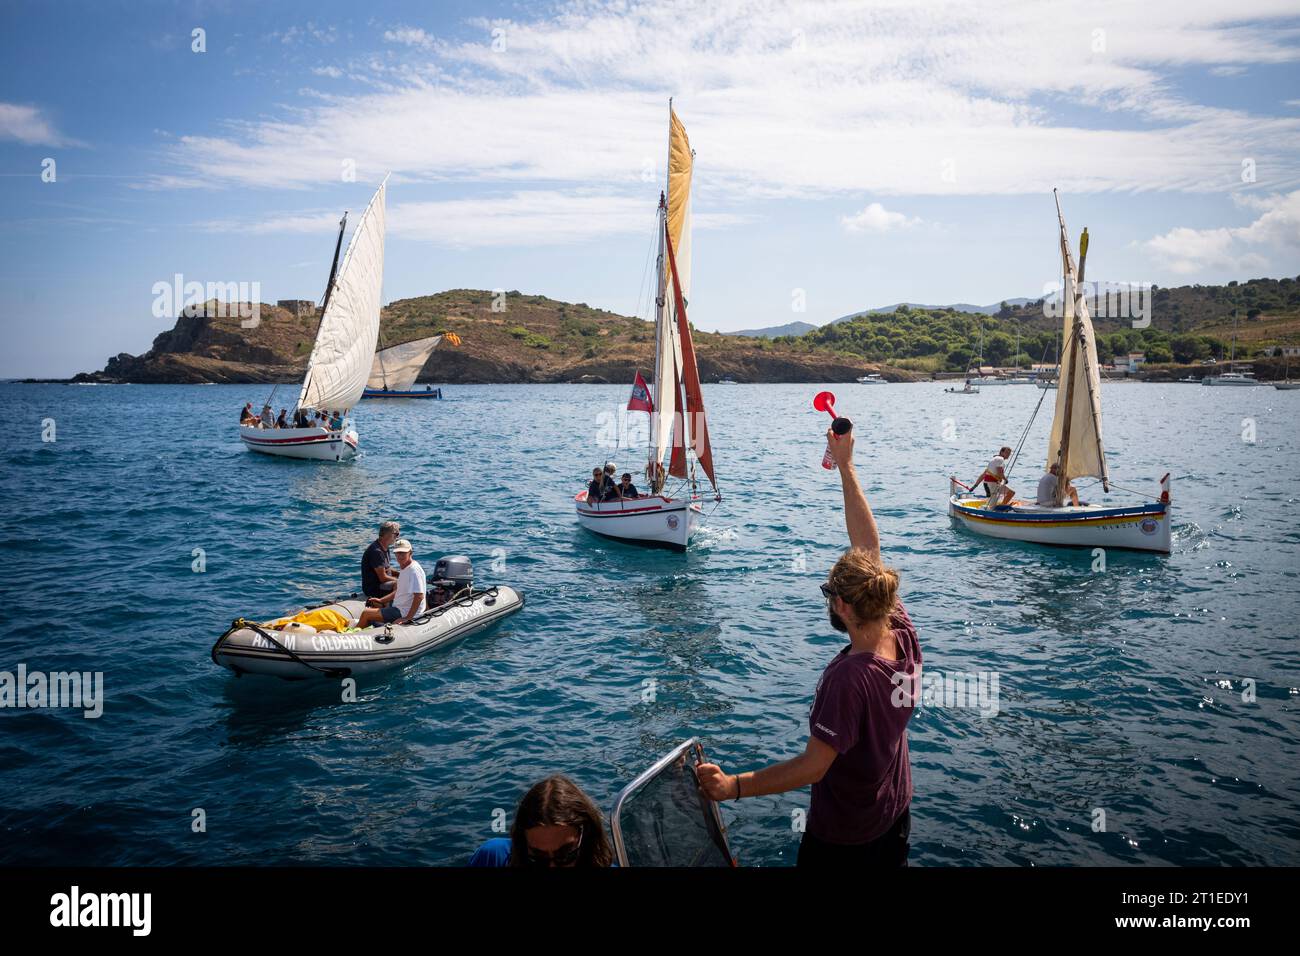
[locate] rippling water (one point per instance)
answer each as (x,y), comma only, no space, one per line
(1125,690)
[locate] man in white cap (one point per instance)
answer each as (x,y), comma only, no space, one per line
(406,600)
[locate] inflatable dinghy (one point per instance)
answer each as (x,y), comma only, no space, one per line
(299,651)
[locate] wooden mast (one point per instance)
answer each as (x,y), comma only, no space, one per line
(1068,296)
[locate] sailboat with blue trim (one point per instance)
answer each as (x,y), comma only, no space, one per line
(1075,447)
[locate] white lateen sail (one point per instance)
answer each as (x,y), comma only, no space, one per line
(349,328)
(1075,443)
(397,367)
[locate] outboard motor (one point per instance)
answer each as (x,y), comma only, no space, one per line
(451,575)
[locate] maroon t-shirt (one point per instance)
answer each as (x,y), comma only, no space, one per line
(861,708)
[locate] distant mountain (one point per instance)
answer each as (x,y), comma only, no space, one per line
(799,328)
(956,307)
(772,331)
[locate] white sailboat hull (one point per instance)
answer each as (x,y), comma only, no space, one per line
(316,444)
(1139,528)
(655,521)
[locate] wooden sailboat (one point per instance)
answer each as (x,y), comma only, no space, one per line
(344,349)
(396,368)
(1075,447)
(670,513)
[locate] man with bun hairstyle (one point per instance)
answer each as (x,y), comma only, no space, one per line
(856,758)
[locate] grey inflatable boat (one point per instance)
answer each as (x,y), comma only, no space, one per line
(298,651)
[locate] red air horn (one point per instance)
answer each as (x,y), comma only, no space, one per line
(825,402)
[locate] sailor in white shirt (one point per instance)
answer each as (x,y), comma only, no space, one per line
(1047,488)
(995,478)
(406,600)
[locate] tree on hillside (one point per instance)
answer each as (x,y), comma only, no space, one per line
(1189,348)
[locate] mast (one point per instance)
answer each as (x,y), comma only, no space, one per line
(655,452)
(1068,291)
(1076,307)
(1094,402)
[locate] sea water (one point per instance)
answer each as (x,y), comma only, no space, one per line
(1081,708)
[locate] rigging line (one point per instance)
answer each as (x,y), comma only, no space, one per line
(1015,456)
(1115,487)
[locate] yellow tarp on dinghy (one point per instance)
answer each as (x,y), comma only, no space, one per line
(322,618)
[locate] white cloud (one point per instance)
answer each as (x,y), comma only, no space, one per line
(802,99)
(1227,70)
(28,126)
(410,36)
(876,218)
(1187,251)
(786,100)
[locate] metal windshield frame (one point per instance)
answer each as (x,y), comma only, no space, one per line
(620,848)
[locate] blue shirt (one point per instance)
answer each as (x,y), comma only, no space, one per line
(495,852)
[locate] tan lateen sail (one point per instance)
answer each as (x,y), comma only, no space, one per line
(675,229)
(1075,444)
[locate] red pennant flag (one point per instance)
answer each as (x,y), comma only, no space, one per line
(640,400)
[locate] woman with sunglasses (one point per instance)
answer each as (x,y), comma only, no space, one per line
(856,759)
(556,825)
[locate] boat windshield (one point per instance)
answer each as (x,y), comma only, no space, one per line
(662,819)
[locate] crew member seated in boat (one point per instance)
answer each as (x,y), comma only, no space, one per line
(609,488)
(406,600)
(377,576)
(336,421)
(596,487)
(556,825)
(299,418)
(995,479)
(283,420)
(268,417)
(1047,488)
(246,417)
(626,489)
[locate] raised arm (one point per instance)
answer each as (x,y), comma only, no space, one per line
(858,518)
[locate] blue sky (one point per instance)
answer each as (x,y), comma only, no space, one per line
(849,155)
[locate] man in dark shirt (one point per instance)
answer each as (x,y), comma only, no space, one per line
(856,758)
(377,576)
(626,489)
